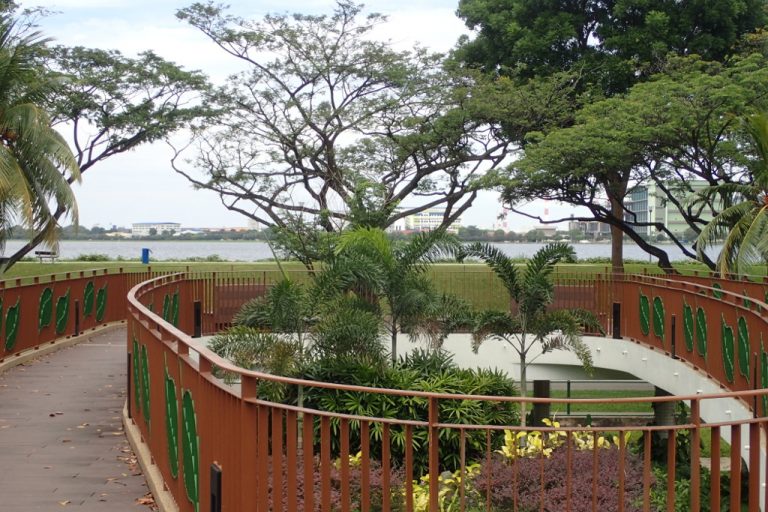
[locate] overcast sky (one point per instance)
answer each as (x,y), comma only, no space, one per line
(141,186)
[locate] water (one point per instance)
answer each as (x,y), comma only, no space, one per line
(255,251)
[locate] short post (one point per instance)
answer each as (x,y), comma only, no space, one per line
(617,320)
(215,487)
(129,390)
(541,389)
(77,318)
(674,337)
(568,396)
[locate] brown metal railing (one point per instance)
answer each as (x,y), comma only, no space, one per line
(274,456)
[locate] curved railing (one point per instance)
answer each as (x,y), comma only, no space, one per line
(224,444)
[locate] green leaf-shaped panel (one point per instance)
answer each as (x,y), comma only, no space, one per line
(742,335)
(145,384)
(191,449)
(62,313)
(717,291)
(701,332)
(726,336)
(101,303)
(175,309)
(166,307)
(45,311)
(136,374)
(645,314)
(172,423)
(88,297)
(658,318)
(12,325)
(688,327)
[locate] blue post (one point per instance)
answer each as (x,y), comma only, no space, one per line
(145,256)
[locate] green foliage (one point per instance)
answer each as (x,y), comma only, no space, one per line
(424,371)
(353,157)
(348,327)
(93,257)
(529,323)
(252,349)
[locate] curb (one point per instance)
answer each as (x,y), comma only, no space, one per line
(163,498)
(48,348)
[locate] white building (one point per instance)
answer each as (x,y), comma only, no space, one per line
(139,229)
(429,220)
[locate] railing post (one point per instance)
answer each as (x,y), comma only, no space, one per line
(129,389)
(696,455)
(617,320)
(674,337)
(197,315)
(568,396)
(77,318)
(215,487)
(434,456)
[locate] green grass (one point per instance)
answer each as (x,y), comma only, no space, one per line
(604,407)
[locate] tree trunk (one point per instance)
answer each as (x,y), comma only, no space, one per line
(617,237)
(393,334)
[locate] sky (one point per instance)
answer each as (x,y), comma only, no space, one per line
(141,186)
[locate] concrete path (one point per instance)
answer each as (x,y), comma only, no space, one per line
(62,444)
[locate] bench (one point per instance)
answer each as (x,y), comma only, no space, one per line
(49,255)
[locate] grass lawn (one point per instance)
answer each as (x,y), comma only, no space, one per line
(604,407)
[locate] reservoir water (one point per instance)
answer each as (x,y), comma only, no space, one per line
(172,250)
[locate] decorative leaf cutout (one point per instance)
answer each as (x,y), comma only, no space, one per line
(658,318)
(191,448)
(12,325)
(701,332)
(145,384)
(172,422)
(88,296)
(743,342)
(62,313)
(688,327)
(166,307)
(136,374)
(101,303)
(46,309)
(645,314)
(175,309)
(726,336)
(717,291)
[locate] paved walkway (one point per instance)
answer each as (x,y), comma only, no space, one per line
(62,444)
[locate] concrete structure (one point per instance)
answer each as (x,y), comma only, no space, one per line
(648,203)
(139,229)
(592,229)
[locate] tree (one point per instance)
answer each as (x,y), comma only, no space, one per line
(392,278)
(615,43)
(531,325)
(679,127)
(743,222)
(606,48)
(112,104)
(327,124)
(33,156)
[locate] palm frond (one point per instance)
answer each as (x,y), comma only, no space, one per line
(499,262)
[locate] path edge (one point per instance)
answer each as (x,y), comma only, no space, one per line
(30,354)
(163,497)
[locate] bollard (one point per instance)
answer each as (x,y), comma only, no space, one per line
(540,410)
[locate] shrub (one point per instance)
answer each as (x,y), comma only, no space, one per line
(533,482)
(93,257)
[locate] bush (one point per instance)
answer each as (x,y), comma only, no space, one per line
(93,257)
(433,372)
(532,480)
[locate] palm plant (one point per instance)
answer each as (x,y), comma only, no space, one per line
(743,221)
(34,158)
(391,277)
(530,325)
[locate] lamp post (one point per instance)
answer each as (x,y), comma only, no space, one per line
(650,230)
